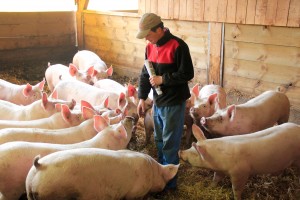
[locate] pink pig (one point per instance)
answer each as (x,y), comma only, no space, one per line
(16,157)
(238,155)
(62,119)
(42,108)
(20,94)
(261,112)
(72,89)
(85,59)
(115,175)
(58,72)
(204,100)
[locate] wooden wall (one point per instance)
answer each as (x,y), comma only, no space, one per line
(259,12)
(113,39)
(33,36)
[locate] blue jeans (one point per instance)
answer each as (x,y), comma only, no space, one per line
(168,129)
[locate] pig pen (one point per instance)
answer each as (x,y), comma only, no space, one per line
(193,183)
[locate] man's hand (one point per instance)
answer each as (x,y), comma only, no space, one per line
(155,80)
(141,108)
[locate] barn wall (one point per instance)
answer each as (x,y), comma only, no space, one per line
(259,58)
(112,37)
(36,36)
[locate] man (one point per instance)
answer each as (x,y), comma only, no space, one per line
(173,66)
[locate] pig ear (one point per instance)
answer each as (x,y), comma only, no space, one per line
(212,98)
(99,123)
(131,90)
(41,84)
(87,113)
(109,71)
(27,89)
(90,71)
(54,94)
(44,100)
(195,90)
(95,72)
(201,150)
(122,100)
(121,132)
(231,111)
(73,69)
(66,113)
(198,133)
(86,104)
(106,102)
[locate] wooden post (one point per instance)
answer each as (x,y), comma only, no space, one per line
(215,43)
(81,5)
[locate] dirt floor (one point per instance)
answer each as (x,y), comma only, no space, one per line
(195,183)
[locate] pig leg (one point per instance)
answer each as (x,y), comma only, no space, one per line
(218,176)
(238,181)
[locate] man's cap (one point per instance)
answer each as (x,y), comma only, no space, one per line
(147,21)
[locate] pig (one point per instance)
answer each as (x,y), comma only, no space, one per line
(237,156)
(58,72)
(84,131)
(72,89)
(84,59)
(204,101)
(42,108)
(16,157)
(135,175)
(58,120)
(261,112)
(21,94)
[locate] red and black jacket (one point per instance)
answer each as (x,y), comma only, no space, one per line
(171,59)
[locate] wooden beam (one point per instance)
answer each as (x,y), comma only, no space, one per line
(81,5)
(215,43)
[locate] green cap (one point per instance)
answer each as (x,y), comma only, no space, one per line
(148,21)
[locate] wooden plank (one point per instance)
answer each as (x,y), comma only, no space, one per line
(222,11)
(154,6)
(264,35)
(215,52)
(270,54)
(211,11)
(271,12)
(282,12)
(190,10)
(162,10)
(14,18)
(183,9)
(254,87)
(171,9)
(294,14)
(81,5)
(260,12)
(43,41)
(251,8)
(148,6)
(241,11)
(231,11)
(176,6)
(141,7)
(199,10)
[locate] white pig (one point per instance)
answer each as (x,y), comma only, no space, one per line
(85,59)
(84,131)
(264,152)
(62,119)
(58,72)
(261,112)
(21,94)
(115,175)
(72,89)
(16,157)
(204,100)
(42,108)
